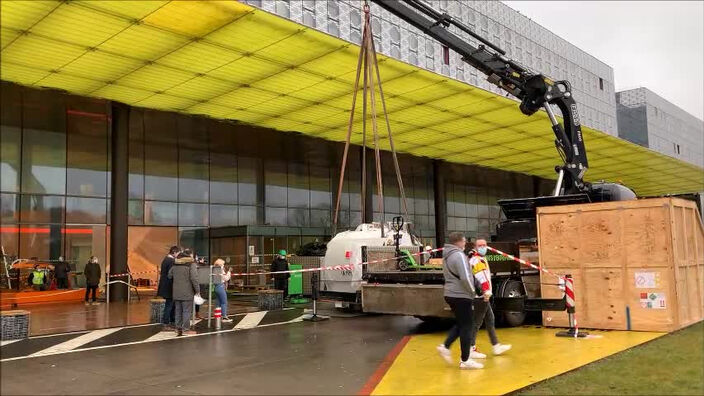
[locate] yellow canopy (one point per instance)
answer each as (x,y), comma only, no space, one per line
(227,60)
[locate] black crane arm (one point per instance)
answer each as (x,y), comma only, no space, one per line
(534,90)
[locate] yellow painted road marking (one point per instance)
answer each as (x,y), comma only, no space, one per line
(537,354)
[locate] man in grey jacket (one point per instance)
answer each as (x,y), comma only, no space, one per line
(185,285)
(459,295)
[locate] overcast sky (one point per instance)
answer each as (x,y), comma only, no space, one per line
(654,44)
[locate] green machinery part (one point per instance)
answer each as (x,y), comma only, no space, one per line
(295,285)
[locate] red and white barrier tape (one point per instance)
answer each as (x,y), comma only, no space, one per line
(524,262)
(132,273)
(347,267)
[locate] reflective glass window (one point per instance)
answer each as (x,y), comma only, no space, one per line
(43,142)
(195,239)
(8,208)
(248,178)
(223,166)
(86,210)
(160,213)
(136,175)
(298,192)
(320,190)
(42,208)
(298,217)
(275,178)
(87,148)
(135,212)
(190,214)
(320,218)
(223,215)
(81,243)
(9,240)
(10,136)
(160,156)
(247,215)
(276,216)
(193,159)
(43,241)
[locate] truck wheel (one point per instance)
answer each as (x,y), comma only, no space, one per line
(403,264)
(513,288)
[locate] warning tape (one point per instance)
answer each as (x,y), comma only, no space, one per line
(526,263)
(132,273)
(347,267)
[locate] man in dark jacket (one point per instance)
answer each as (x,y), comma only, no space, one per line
(61,271)
(92,274)
(164,289)
(460,290)
(185,286)
(281,280)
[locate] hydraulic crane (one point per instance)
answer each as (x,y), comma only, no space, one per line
(534,90)
(398,292)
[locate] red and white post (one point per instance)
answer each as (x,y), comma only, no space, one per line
(571,316)
(218,318)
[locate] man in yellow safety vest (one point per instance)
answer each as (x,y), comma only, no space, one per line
(37,279)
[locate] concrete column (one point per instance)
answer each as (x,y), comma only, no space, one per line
(440,198)
(119,197)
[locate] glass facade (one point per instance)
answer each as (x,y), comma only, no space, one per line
(190,173)
(54,181)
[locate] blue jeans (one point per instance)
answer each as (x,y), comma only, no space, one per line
(222,298)
(168,317)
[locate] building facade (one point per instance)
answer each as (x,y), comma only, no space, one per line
(650,120)
(523,40)
(190,175)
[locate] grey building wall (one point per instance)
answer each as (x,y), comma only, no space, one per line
(524,40)
(666,128)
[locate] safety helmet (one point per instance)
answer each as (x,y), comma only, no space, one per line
(282,252)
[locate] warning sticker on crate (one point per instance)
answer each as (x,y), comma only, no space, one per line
(647,280)
(652,300)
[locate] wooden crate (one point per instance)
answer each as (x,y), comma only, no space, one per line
(636,265)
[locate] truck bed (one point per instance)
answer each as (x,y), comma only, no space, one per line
(405,299)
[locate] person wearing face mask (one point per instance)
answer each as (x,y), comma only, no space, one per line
(482,309)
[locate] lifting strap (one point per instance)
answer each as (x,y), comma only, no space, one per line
(366,61)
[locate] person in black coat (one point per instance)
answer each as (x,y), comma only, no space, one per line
(281,280)
(92,274)
(165,288)
(61,271)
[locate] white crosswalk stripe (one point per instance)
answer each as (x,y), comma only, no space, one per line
(80,340)
(250,321)
(76,342)
(162,335)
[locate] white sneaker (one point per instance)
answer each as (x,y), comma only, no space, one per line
(445,353)
(501,348)
(470,364)
(226,320)
(474,354)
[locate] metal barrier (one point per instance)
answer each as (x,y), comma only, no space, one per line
(129,284)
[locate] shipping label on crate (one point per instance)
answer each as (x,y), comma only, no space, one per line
(647,280)
(652,300)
